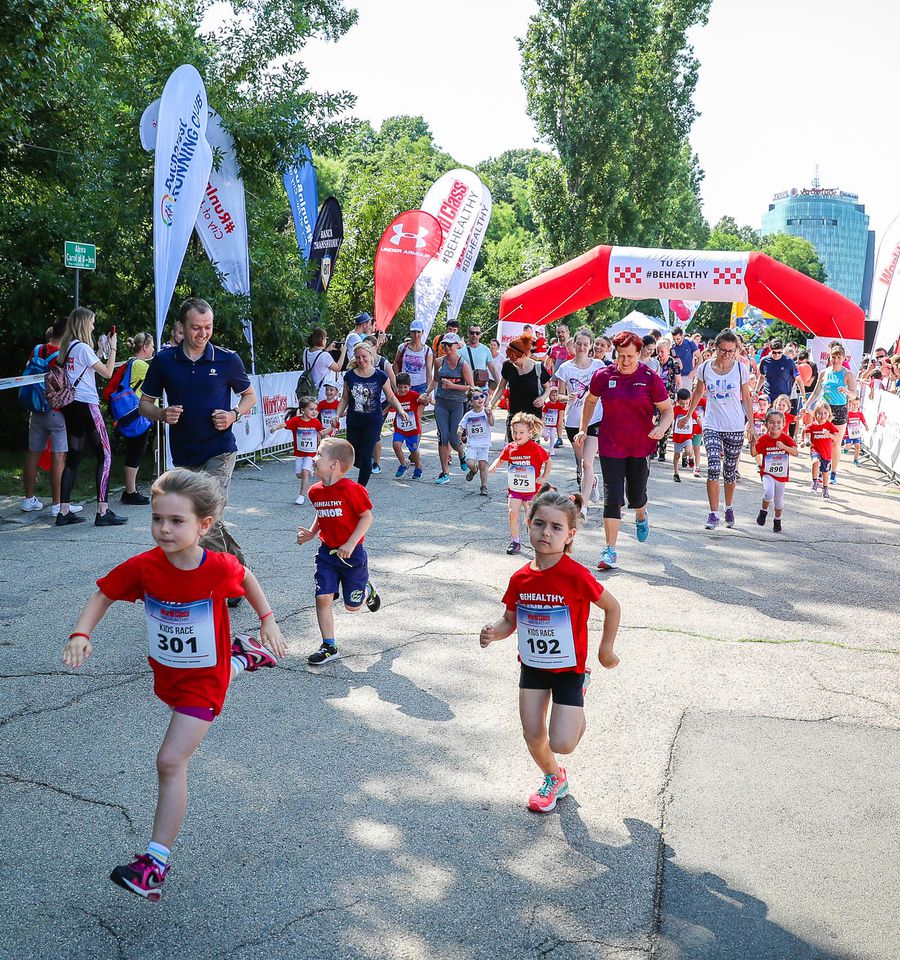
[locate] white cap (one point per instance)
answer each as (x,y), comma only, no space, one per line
(417,325)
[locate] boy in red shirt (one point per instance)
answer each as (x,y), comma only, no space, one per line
(525,459)
(307,430)
(820,432)
(773,451)
(408,428)
(343,518)
(552,411)
(856,420)
(683,431)
(327,408)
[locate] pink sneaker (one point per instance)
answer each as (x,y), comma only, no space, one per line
(257,655)
(551,790)
(143,877)
(587,681)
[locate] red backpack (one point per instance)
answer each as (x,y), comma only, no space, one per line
(115,382)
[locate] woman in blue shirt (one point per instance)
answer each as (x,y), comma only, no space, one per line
(837,385)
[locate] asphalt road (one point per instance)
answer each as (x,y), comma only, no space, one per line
(735,796)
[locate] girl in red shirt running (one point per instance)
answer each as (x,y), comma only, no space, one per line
(548,603)
(773,451)
(184,589)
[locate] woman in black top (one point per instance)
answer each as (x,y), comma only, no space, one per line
(525,377)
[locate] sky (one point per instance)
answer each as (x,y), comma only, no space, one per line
(784,85)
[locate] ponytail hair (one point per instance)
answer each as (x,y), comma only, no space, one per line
(200,488)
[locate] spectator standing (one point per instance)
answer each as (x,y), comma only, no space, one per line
(84,420)
(43,427)
(141,346)
(319,363)
(198,379)
(177,336)
(451,327)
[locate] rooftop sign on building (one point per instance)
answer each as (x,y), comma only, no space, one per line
(831,192)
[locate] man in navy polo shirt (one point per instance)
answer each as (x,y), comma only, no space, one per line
(198,379)
(779,374)
(684,351)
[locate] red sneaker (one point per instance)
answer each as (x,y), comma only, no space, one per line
(551,790)
(142,876)
(255,653)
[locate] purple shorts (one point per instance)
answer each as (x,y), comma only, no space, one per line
(201,713)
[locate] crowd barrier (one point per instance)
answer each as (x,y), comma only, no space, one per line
(881,439)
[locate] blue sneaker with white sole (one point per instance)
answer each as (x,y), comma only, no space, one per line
(642,529)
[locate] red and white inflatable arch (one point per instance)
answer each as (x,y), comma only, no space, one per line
(722,276)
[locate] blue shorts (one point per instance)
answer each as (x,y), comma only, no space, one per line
(349,576)
(412,442)
(823,463)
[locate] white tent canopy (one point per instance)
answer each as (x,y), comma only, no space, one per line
(639,323)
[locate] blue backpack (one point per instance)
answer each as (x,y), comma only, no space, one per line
(32,396)
(125,407)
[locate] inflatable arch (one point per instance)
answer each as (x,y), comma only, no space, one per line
(721,276)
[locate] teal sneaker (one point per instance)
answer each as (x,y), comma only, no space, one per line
(642,528)
(609,560)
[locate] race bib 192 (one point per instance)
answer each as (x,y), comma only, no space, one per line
(545,636)
(181,635)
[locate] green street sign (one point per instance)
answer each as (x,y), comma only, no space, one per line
(81,256)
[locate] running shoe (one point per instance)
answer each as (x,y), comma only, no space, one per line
(761,518)
(833,477)
(471,473)
(417,473)
(587,681)
(776,525)
(135,499)
(729,517)
(697,472)
(514,547)
(373,601)
(856,462)
(609,559)
(462,464)
(544,799)
(690,463)
(558,443)
(825,494)
(684,462)
(376,468)
(400,471)
(595,492)
(108,519)
(814,487)
(256,654)
(676,478)
(142,876)
(300,500)
(712,521)
(442,478)
(642,529)
(661,457)
(73,508)
(484,491)
(31,503)
(325,652)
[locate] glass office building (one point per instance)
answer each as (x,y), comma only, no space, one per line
(837,225)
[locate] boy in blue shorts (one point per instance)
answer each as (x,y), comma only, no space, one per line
(408,428)
(343,517)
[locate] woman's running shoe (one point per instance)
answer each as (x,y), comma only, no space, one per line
(712,521)
(595,492)
(376,468)
(255,653)
(729,517)
(642,529)
(609,560)
(544,799)
(442,478)
(142,876)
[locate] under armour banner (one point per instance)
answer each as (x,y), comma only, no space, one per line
(405,249)
(328,235)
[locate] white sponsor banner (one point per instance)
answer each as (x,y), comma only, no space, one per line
(820,351)
(181,173)
(276,393)
(508,330)
(882,436)
(222,218)
(884,304)
(462,274)
(455,200)
(639,274)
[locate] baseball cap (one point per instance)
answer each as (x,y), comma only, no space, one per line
(362,318)
(417,325)
(451,338)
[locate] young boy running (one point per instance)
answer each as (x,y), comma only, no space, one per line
(343,517)
(408,428)
(328,408)
(476,427)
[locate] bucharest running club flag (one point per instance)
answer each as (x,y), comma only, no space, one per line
(328,235)
(405,249)
(459,282)
(182,164)
(455,201)
(303,196)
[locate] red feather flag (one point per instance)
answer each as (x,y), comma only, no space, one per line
(410,241)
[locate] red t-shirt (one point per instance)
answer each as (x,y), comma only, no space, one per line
(328,412)
(855,415)
(410,403)
(525,465)
(151,575)
(759,423)
(565,584)
(629,403)
(693,426)
(552,410)
(338,509)
(789,418)
(820,435)
(777,467)
(306,435)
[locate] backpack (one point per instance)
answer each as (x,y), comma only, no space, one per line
(125,407)
(114,382)
(306,387)
(33,396)
(59,392)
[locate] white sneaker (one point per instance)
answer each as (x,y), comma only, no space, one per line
(31,503)
(73,508)
(300,501)
(595,492)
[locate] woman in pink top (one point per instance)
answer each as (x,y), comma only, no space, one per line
(633,395)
